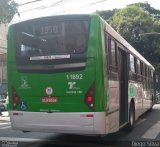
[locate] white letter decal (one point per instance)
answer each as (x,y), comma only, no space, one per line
(71,84)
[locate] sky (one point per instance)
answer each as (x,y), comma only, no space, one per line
(60,7)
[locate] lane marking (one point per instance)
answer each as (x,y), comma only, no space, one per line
(22,139)
(153,132)
(4,123)
(140,121)
(6,127)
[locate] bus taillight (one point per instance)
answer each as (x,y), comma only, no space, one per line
(15,98)
(90,97)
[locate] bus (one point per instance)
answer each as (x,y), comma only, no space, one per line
(75,74)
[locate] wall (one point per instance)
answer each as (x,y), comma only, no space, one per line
(3,57)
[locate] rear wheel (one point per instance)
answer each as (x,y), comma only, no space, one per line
(152,103)
(131,117)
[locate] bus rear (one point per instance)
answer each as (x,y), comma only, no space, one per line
(52,76)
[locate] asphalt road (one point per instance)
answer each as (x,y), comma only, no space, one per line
(146,133)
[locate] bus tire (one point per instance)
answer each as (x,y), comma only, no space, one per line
(152,103)
(25,131)
(131,117)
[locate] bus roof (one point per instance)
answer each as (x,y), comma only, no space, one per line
(67,16)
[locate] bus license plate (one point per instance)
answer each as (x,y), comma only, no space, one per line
(50,99)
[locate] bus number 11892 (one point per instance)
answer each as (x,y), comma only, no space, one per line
(74,76)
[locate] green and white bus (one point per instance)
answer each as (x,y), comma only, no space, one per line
(75,74)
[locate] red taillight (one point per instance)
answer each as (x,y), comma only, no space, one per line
(15,98)
(90,97)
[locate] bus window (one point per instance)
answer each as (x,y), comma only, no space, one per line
(135,64)
(112,52)
(146,74)
(56,42)
(106,44)
(138,67)
(141,68)
(149,72)
(106,51)
(68,37)
(132,66)
(147,77)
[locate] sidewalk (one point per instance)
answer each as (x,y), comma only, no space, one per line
(4,117)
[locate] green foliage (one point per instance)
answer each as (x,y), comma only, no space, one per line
(107,14)
(134,20)
(8,8)
(147,8)
(130,18)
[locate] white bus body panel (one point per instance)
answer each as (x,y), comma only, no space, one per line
(70,123)
(112,122)
(142,99)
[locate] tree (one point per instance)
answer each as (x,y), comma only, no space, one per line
(8,8)
(147,8)
(130,19)
(107,14)
(134,20)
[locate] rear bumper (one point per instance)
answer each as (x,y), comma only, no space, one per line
(70,123)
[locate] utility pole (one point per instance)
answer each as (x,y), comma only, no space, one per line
(151,33)
(137,36)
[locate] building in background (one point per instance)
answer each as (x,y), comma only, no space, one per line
(3,59)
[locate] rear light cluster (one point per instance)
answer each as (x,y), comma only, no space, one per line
(15,98)
(90,97)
